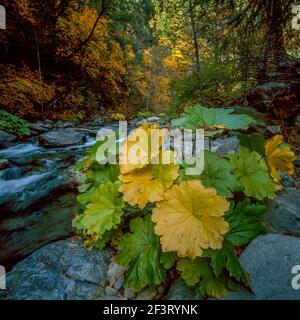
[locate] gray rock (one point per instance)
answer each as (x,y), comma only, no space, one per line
(274,129)
(269,261)
(63,270)
(146,294)
(6,139)
(68,125)
(115,270)
(49,121)
(129,293)
(111,291)
(223,146)
(59,124)
(41,126)
(283,215)
(4,163)
(148,120)
(119,282)
(287,181)
(180,291)
(61,138)
(241,294)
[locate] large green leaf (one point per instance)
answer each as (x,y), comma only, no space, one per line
(226,259)
(254,142)
(95,176)
(259,117)
(245,222)
(210,118)
(104,211)
(140,252)
(253,174)
(218,174)
(199,272)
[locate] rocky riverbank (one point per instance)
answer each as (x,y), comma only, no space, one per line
(38,205)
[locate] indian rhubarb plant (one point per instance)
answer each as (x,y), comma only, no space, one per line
(158,218)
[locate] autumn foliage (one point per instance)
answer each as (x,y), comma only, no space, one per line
(54,64)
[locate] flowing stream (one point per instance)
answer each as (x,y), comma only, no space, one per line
(37,197)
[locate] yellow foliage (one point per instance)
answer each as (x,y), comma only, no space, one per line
(102,57)
(190,219)
(148,184)
(176,62)
(143,181)
(279,158)
(145,136)
(117,117)
(22,92)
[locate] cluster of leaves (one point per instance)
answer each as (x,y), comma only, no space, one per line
(13,124)
(210,118)
(160,218)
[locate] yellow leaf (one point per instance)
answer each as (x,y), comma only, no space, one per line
(148,184)
(279,159)
(142,145)
(191,219)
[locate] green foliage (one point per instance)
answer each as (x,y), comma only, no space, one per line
(254,142)
(145,114)
(245,222)
(218,174)
(104,210)
(253,174)
(168,259)
(93,177)
(227,259)
(13,124)
(260,118)
(148,258)
(140,252)
(210,118)
(198,272)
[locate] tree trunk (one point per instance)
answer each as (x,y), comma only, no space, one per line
(195,37)
(274,47)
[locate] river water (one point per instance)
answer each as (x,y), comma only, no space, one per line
(37,197)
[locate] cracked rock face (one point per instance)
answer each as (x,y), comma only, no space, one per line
(63,270)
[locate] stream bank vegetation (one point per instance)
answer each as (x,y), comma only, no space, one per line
(229,67)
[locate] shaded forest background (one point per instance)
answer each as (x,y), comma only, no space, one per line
(75,60)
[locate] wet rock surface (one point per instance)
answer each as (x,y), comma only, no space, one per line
(61,138)
(64,270)
(6,139)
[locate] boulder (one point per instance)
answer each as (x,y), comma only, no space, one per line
(41,126)
(63,270)
(287,181)
(6,139)
(180,291)
(241,294)
(283,215)
(4,163)
(269,260)
(223,146)
(150,120)
(61,137)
